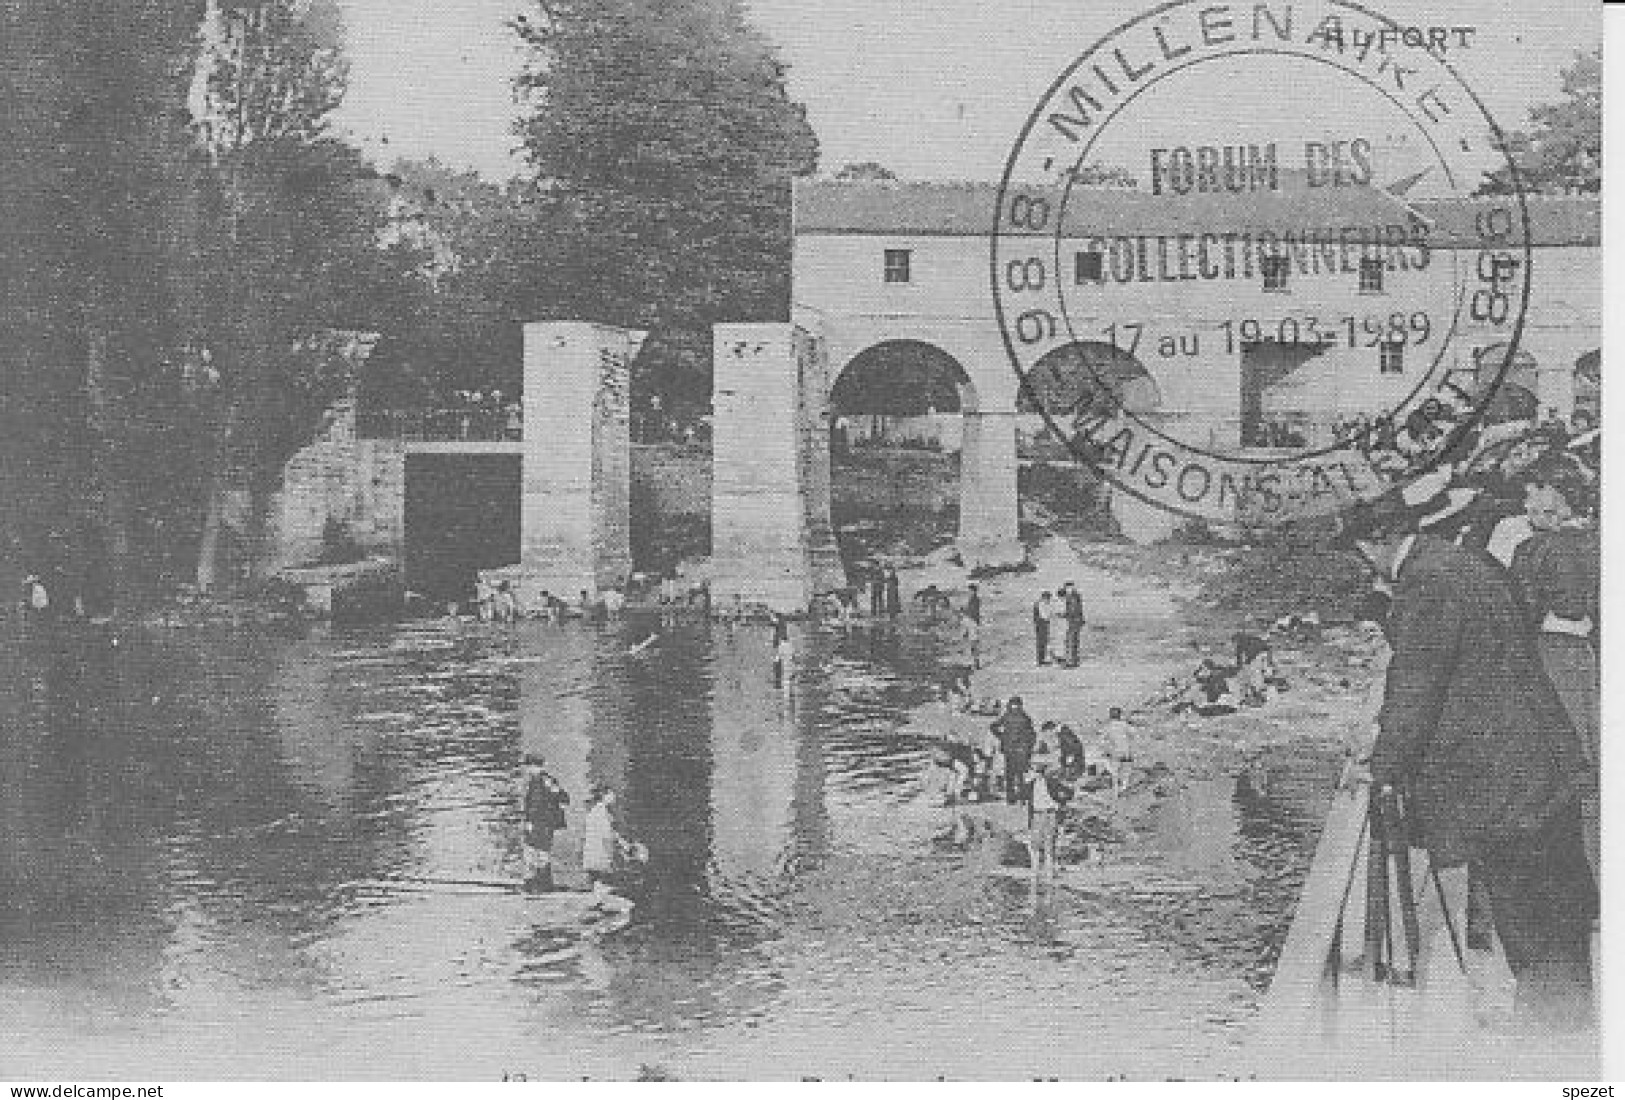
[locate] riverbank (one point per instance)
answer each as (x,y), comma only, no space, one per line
(1153,614)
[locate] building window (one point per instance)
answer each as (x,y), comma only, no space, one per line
(1371,269)
(1089,267)
(1274,269)
(897,265)
(1391,358)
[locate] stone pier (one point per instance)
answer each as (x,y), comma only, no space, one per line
(988,510)
(823,550)
(772,540)
(574,508)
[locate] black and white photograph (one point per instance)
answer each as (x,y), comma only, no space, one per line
(745,540)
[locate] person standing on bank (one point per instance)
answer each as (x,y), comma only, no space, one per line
(1072,608)
(1016,740)
(971,627)
(1473,737)
(1043,616)
(877,592)
(543,812)
(894,594)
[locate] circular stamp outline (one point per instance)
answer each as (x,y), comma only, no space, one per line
(1459,286)
(1384,481)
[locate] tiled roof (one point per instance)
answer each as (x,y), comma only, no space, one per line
(967,209)
(1554,220)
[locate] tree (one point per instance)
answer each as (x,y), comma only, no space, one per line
(98,201)
(296,252)
(664,142)
(868,170)
(1561,153)
(458,326)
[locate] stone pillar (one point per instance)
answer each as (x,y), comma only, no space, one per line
(823,551)
(766,468)
(988,510)
(575,486)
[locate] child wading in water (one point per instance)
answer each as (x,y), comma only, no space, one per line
(1119,749)
(1043,815)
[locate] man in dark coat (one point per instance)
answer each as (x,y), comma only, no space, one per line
(1043,616)
(1474,738)
(543,814)
(1017,737)
(894,594)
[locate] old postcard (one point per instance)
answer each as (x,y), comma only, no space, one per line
(737,539)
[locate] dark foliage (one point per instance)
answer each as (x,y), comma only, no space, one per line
(1561,152)
(674,204)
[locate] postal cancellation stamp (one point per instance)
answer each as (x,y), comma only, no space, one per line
(1255,251)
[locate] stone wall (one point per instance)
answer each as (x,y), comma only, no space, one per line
(358,482)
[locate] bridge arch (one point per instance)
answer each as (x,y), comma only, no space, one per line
(1090,379)
(915,392)
(902,380)
(891,367)
(1086,376)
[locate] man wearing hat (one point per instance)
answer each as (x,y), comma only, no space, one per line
(1072,611)
(1475,740)
(1017,737)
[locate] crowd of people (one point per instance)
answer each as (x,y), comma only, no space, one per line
(1251,679)
(499,602)
(1039,766)
(1487,727)
(479,414)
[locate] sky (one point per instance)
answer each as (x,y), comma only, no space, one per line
(934,89)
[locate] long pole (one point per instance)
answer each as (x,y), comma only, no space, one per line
(1376,897)
(1399,848)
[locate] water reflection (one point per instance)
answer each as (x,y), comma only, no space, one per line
(277,844)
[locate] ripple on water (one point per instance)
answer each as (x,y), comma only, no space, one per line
(288,787)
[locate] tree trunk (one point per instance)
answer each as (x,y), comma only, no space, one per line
(214,518)
(242,370)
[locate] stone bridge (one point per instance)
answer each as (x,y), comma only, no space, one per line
(773,541)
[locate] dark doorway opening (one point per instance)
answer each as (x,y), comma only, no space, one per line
(1262,367)
(462,515)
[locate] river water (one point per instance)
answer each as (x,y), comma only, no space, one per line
(213,841)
